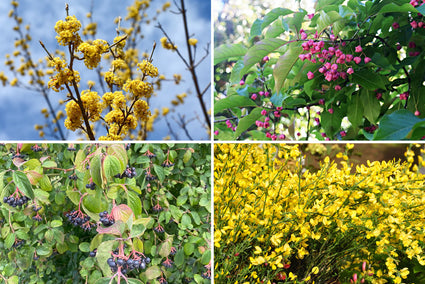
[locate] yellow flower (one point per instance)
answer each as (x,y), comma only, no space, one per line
(165,111)
(193,41)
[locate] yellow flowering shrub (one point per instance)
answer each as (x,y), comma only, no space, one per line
(277,220)
(127,80)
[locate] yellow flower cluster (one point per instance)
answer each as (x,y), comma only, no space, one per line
(92,107)
(148,69)
(134,10)
(68,31)
(93,52)
(275,212)
(167,45)
(138,88)
(141,110)
(63,76)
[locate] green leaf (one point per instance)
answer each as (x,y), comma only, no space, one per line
(49,164)
(256,28)
(188,248)
(206,257)
(285,63)
(297,21)
(187,155)
(9,241)
(142,160)
(45,183)
(153,272)
(134,202)
(181,200)
(95,170)
(196,217)
(159,172)
(355,110)
(247,121)
(22,182)
(44,250)
(96,241)
(111,166)
(327,19)
(102,255)
(137,230)
(396,126)
(393,8)
(232,101)
(371,105)
(331,122)
(179,258)
(236,75)
(95,203)
(79,159)
(273,15)
(262,48)
(84,247)
(165,247)
(226,51)
(56,223)
(119,151)
(186,222)
(368,79)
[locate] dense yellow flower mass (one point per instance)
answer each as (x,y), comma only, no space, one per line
(274,217)
(68,31)
(93,52)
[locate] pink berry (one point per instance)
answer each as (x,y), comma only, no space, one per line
(254,96)
(298,134)
(266,94)
(334,66)
(242,82)
(357,59)
(412,44)
(323,134)
(216,132)
(282,136)
(417,113)
(395,25)
(261,93)
(337,87)
(310,16)
(303,35)
(266,58)
(264,112)
(268,135)
(274,137)
(378,96)
(331,110)
(349,57)
(321,102)
(367,60)
(350,70)
(343,133)
(359,48)
(310,75)
(414,24)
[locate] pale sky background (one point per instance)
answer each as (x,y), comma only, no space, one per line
(20,108)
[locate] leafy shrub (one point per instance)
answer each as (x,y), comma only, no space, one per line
(105,213)
(351,70)
(276,221)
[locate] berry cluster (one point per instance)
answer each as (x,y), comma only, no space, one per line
(79,219)
(15,202)
(128,146)
(19,156)
(18,243)
(150,177)
(106,219)
(150,154)
(168,263)
(157,208)
(91,185)
(138,262)
(73,177)
(333,59)
(159,229)
(36,148)
(167,164)
(128,172)
(37,217)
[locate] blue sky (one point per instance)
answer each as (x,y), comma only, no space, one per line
(20,108)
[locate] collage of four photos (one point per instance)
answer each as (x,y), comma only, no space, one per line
(213,141)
